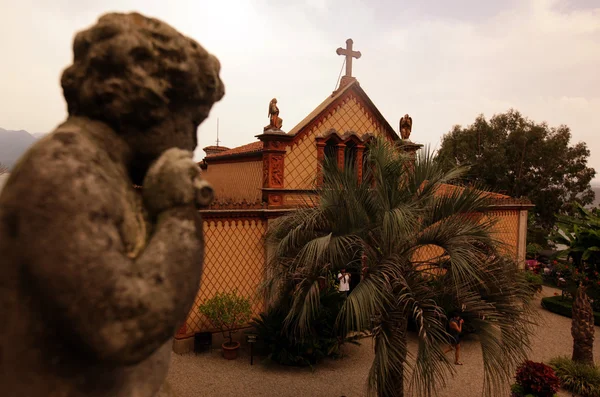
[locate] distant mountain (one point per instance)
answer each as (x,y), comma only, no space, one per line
(13,144)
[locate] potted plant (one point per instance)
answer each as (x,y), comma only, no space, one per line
(227,311)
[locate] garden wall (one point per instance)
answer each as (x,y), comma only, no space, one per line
(234,258)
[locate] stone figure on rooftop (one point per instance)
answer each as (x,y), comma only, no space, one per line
(405,126)
(275,122)
(98,275)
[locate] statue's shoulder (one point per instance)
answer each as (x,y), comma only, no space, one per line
(61,159)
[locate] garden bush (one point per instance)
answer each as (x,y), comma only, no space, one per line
(227,311)
(563,306)
(287,348)
(577,377)
(536,281)
(535,379)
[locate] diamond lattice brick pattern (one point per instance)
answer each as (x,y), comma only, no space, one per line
(234,258)
(350,116)
(236,181)
(301,158)
(301,163)
(506,230)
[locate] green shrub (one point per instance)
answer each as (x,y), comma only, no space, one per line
(563,306)
(535,379)
(536,281)
(227,311)
(576,377)
(285,348)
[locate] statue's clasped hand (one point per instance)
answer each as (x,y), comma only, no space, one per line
(174,180)
(204,192)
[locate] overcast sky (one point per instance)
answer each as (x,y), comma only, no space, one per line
(443,62)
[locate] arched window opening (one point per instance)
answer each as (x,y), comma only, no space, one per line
(367,176)
(350,154)
(330,152)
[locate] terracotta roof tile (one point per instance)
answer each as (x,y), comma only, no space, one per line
(244,149)
(216,148)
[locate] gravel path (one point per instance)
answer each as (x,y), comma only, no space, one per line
(210,375)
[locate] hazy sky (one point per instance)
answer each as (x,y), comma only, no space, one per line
(443,62)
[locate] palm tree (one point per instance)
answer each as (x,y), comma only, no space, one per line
(581,235)
(383,226)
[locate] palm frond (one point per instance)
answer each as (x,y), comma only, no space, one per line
(381,225)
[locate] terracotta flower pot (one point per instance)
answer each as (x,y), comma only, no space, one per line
(230,352)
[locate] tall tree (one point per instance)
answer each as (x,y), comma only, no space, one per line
(512,154)
(380,226)
(581,234)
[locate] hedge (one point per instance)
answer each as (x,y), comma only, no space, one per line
(562,306)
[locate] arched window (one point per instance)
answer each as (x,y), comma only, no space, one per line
(350,155)
(330,152)
(365,166)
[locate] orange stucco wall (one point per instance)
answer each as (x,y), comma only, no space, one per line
(234,258)
(505,230)
(236,181)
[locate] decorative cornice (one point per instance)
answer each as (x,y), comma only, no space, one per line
(346,136)
(236,205)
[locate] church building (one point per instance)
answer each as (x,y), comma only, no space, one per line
(277,172)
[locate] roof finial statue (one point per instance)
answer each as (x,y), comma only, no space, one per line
(275,122)
(405,126)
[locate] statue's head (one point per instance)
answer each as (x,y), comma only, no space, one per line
(147,81)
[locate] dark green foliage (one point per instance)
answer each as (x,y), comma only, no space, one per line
(227,311)
(514,155)
(381,226)
(288,348)
(536,281)
(535,379)
(581,234)
(563,306)
(578,378)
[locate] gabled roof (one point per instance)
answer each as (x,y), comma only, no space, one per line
(325,107)
(330,102)
(216,148)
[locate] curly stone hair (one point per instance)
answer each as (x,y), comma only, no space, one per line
(133,71)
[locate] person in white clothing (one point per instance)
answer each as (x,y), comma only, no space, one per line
(344,279)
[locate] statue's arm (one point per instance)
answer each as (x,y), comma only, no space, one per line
(117,307)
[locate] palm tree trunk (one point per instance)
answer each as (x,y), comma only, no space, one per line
(391,383)
(582,328)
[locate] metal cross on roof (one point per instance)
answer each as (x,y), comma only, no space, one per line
(349,55)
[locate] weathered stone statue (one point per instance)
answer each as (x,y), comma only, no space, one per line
(96,275)
(405,126)
(275,122)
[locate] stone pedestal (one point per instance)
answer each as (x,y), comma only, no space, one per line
(410,148)
(274,143)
